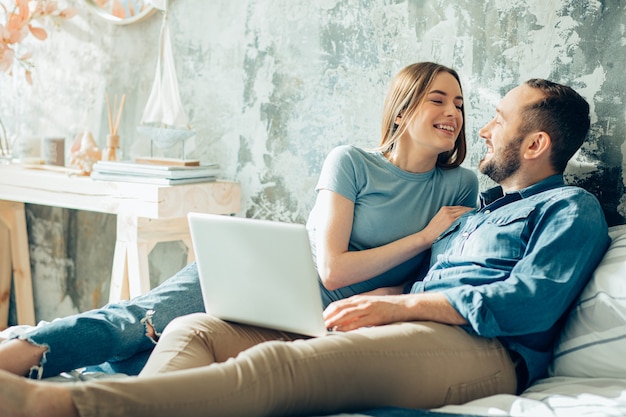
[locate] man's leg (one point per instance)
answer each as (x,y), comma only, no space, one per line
(113,333)
(21,397)
(200,339)
(417,365)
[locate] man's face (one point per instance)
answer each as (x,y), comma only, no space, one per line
(503,163)
(504,142)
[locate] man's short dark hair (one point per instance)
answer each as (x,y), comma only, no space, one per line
(563,114)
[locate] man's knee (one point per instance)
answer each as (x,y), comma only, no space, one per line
(196,322)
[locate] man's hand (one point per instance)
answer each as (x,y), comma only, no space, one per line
(376,310)
(365,310)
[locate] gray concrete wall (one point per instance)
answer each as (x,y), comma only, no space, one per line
(271,86)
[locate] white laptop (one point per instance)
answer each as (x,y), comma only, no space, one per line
(257,272)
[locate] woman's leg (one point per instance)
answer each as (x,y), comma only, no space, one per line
(417,365)
(116,333)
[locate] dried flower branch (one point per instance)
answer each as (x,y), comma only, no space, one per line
(19,22)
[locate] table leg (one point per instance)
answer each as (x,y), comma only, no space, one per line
(13,215)
(119,275)
(5,275)
(136,237)
(138,267)
(130,276)
(191,255)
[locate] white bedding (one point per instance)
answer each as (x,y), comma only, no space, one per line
(554,397)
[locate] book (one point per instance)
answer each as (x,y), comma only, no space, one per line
(146,179)
(157,171)
(168,161)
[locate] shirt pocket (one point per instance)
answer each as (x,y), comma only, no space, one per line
(443,243)
(498,237)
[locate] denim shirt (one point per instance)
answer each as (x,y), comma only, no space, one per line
(515,266)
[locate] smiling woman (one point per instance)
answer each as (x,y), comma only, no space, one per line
(121,12)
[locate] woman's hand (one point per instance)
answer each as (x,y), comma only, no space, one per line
(442,220)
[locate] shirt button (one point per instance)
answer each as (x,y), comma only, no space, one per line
(465,234)
(487,211)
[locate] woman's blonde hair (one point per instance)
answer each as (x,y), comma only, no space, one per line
(406,93)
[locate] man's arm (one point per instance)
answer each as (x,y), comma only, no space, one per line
(374,310)
(567,241)
(566,245)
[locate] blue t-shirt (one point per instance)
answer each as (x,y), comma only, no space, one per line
(514,267)
(389,204)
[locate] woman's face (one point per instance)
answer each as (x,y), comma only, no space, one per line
(437,122)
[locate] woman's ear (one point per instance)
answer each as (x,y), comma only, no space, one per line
(399,119)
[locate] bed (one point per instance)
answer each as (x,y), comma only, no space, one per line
(588,374)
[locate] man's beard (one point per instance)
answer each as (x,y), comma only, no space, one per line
(503,165)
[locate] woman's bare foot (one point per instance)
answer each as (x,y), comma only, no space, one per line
(19,356)
(20,397)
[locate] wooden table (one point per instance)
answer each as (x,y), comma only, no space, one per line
(146,215)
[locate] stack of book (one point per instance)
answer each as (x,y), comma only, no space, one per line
(127,171)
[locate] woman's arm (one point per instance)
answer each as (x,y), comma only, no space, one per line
(339,267)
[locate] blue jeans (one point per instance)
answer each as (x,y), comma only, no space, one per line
(113,338)
(115,335)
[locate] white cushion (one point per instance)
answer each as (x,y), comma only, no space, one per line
(593,340)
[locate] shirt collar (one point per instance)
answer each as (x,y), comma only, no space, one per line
(495,194)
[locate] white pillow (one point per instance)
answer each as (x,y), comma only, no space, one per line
(593,340)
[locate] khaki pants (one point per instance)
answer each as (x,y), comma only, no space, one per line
(237,370)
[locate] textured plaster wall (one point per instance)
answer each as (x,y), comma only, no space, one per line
(271,86)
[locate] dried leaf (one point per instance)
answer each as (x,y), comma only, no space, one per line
(67,13)
(6,60)
(23,12)
(51,7)
(38,10)
(4,34)
(39,33)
